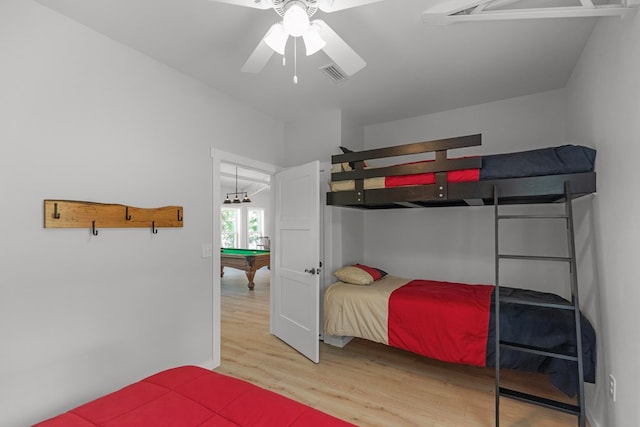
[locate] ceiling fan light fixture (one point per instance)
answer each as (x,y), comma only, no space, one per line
(276,38)
(324,5)
(296,20)
(313,42)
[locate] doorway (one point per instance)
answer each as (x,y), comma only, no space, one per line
(251,175)
(244,223)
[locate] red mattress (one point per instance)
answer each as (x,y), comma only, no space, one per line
(190,396)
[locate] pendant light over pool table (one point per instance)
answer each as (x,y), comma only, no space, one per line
(236,195)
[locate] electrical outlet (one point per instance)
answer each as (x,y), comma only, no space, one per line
(612,388)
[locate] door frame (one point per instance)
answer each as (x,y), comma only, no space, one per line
(217,157)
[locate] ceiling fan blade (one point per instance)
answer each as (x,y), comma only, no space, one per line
(336,5)
(339,51)
(258,59)
(257,4)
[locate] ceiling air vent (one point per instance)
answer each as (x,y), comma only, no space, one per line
(334,73)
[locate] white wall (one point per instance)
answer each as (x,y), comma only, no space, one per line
(88,119)
(603,109)
(519,123)
(454,243)
(315,138)
(352,133)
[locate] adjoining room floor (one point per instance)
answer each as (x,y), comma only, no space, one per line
(366,383)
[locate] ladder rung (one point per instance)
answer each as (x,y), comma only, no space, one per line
(538,350)
(535,257)
(541,401)
(534,216)
(512,300)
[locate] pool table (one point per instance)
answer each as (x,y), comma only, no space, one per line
(249,260)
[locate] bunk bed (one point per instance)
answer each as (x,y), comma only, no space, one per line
(501,337)
(535,176)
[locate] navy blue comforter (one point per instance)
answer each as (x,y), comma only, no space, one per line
(545,161)
(543,327)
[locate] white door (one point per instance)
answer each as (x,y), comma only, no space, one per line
(296,279)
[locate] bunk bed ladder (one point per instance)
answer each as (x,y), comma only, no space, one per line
(578,409)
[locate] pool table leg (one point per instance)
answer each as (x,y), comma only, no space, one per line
(250,275)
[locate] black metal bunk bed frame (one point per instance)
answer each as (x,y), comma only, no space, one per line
(527,190)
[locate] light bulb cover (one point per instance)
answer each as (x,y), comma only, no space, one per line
(276,38)
(296,20)
(324,5)
(313,42)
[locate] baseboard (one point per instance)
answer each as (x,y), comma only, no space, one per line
(337,341)
(592,421)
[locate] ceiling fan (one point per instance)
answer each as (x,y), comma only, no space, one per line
(316,34)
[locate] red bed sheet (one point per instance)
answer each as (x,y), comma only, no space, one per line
(190,396)
(462,175)
(441,320)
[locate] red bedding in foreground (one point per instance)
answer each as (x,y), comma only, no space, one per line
(441,320)
(190,396)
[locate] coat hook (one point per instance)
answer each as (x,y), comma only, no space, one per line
(126,213)
(154,230)
(93,228)
(56,214)
(179,217)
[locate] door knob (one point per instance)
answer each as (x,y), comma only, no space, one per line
(311,271)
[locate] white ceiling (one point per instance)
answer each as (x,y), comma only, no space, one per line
(412,68)
(249,180)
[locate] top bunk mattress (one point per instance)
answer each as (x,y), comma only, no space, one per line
(564,159)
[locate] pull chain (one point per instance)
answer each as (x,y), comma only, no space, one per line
(295,60)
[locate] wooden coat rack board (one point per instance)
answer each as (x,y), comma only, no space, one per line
(76,214)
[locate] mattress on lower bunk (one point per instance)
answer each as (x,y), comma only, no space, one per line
(454,322)
(190,396)
(559,160)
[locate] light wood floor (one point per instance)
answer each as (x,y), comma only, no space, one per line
(366,383)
